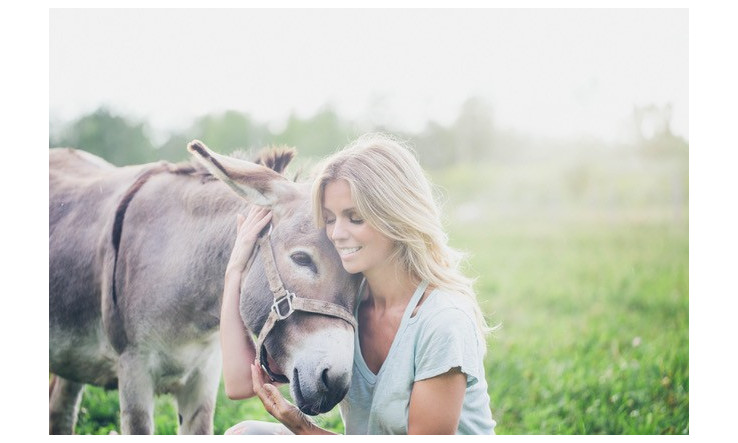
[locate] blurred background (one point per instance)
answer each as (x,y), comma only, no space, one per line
(558,141)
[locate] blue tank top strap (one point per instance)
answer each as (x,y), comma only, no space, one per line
(414,300)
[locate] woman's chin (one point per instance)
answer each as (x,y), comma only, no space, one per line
(352,268)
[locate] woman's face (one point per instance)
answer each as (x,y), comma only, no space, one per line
(361,247)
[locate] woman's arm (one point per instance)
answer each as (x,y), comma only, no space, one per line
(280,408)
(238,350)
(435,404)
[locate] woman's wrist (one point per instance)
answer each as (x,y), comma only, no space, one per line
(300,424)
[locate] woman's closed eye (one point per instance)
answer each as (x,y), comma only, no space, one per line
(353,218)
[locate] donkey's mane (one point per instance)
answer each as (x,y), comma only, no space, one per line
(275,158)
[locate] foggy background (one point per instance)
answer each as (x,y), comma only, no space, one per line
(585,107)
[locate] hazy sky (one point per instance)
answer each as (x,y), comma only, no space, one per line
(545,72)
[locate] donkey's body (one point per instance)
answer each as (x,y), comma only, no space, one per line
(136,263)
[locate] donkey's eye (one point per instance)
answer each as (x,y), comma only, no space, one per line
(303,259)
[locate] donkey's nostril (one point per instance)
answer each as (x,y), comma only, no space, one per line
(324,377)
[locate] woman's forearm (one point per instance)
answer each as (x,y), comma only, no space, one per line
(238,350)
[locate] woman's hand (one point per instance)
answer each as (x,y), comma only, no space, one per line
(274,401)
(247,230)
(276,405)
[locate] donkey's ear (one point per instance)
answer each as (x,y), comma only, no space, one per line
(255,183)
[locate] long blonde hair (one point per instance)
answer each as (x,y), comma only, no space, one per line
(392,194)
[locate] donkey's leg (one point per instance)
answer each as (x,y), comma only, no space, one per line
(136,390)
(196,399)
(64,399)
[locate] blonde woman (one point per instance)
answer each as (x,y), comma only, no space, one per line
(418,358)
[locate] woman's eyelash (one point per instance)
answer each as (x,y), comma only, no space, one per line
(351,218)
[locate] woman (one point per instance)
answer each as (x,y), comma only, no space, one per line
(418,360)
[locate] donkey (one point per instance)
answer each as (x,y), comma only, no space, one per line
(137,256)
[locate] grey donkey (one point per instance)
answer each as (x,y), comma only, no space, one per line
(137,256)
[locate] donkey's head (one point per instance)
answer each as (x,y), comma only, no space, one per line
(313,351)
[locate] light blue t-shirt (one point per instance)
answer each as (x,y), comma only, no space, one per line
(442,335)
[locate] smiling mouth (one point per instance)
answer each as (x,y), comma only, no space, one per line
(345,252)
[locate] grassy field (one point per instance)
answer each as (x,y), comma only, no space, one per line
(594,335)
(591,295)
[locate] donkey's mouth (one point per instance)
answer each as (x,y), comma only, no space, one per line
(274,366)
(272,369)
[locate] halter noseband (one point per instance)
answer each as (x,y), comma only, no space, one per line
(285,303)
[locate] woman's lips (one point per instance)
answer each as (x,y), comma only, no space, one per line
(346,252)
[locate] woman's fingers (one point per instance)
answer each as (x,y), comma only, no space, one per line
(257,377)
(275,399)
(258,221)
(239,221)
(263,221)
(256,212)
(248,227)
(269,395)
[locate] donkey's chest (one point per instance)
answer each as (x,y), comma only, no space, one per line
(173,367)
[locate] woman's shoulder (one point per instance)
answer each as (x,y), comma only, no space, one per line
(443,306)
(445,336)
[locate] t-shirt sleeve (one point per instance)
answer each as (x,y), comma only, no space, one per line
(448,340)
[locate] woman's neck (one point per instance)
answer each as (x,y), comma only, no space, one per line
(390,287)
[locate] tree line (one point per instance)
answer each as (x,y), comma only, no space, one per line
(471,137)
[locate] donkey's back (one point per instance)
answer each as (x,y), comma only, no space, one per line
(84,191)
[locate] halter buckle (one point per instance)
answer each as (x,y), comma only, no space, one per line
(280,302)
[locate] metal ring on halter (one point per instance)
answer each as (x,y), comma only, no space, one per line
(279,301)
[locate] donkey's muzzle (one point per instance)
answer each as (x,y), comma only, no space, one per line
(317,395)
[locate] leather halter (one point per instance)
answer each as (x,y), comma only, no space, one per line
(285,303)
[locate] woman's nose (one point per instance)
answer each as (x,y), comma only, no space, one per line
(339,232)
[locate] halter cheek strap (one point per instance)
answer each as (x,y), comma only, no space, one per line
(285,303)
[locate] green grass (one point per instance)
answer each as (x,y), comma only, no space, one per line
(99,413)
(595,327)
